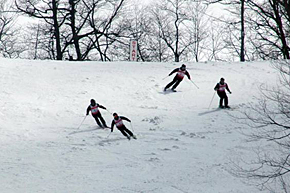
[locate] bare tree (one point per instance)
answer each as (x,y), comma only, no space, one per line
(40,42)
(150,47)
(216,46)
(267,25)
(239,10)
(9,34)
(272,25)
(47,11)
(170,17)
(198,27)
(138,24)
(90,23)
(156,35)
(270,123)
(105,27)
(74,28)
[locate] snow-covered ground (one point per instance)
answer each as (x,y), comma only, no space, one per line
(182,145)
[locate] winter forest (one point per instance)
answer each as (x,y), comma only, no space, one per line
(166,30)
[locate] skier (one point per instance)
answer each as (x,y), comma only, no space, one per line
(94,108)
(118,121)
(221,88)
(181,72)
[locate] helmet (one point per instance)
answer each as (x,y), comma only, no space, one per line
(93,102)
(116,117)
(183,67)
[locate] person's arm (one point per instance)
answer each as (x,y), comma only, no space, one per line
(112,125)
(217,86)
(187,74)
(125,118)
(101,106)
(88,110)
(228,89)
(175,70)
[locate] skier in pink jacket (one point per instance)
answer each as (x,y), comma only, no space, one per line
(221,88)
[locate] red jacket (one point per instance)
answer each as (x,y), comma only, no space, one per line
(180,73)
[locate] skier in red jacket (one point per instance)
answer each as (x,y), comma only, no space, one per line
(221,88)
(94,108)
(118,121)
(180,73)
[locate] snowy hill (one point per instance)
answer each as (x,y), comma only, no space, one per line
(182,145)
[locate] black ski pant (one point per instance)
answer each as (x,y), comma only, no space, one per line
(223,96)
(175,82)
(99,116)
(125,131)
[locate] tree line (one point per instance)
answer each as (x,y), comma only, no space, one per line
(166,30)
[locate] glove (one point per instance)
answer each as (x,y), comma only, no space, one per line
(230,92)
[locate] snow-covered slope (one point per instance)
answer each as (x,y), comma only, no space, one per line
(182,145)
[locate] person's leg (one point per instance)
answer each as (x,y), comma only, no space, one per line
(226,101)
(102,120)
(221,95)
(128,131)
(97,120)
(176,84)
(221,102)
(170,84)
(123,132)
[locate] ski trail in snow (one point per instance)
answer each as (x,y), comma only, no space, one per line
(84,131)
(209,111)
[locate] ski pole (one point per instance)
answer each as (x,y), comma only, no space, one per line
(108,111)
(109,135)
(165,78)
(83,121)
(194,84)
(211,100)
(132,127)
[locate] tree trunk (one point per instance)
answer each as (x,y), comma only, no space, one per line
(281,33)
(36,43)
(176,57)
(74,33)
(59,54)
(242,54)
